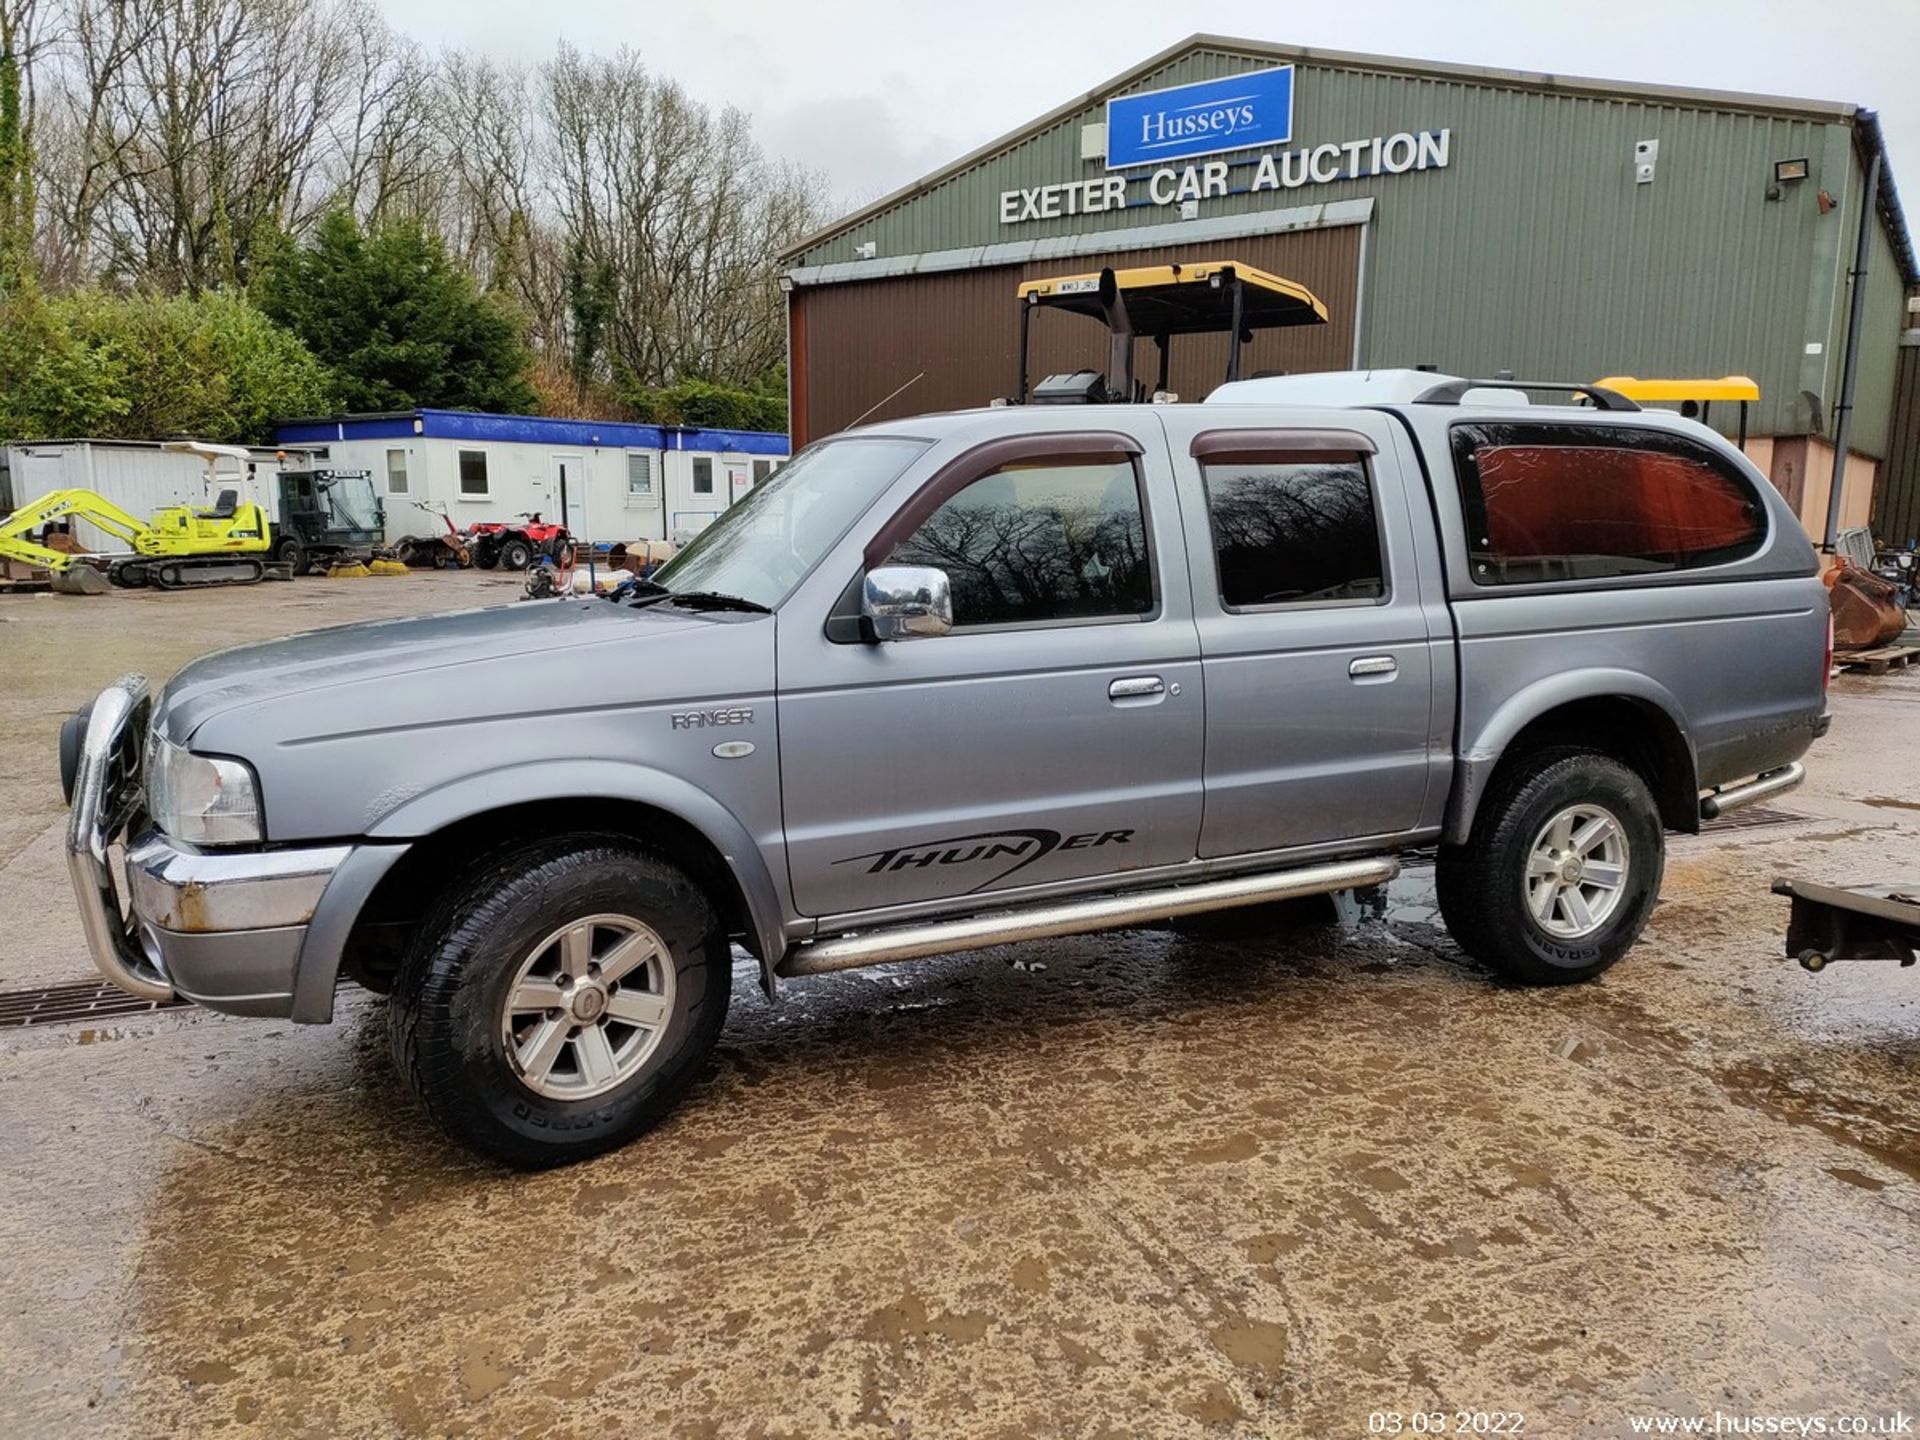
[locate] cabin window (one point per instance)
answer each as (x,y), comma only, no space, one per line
(639,477)
(396,472)
(473,474)
(702,476)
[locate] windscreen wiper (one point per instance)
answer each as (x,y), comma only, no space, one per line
(637,591)
(714,600)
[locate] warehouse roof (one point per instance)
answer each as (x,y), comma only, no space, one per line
(436,424)
(1866,123)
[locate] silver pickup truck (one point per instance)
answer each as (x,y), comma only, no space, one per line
(963,680)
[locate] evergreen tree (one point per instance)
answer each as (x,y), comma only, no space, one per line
(397,323)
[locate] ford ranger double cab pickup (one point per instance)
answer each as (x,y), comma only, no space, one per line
(965,680)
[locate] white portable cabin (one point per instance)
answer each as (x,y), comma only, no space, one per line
(622,481)
(140,476)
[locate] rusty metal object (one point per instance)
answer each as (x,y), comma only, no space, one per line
(1866,609)
(1856,922)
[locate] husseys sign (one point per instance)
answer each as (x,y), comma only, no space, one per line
(1252,111)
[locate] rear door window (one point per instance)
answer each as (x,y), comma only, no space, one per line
(1588,502)
(1293,528)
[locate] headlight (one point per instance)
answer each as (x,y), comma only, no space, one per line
(202,799)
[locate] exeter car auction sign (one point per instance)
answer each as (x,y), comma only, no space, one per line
(1211,118)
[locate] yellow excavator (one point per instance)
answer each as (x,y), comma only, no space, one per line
(179,547)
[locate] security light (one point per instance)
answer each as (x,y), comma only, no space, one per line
(1785,170)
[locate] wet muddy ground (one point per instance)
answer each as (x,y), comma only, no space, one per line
(1115,1185)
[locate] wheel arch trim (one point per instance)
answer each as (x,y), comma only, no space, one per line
(550,781)
(1481,753)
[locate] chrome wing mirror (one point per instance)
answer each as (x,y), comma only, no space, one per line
(905,602)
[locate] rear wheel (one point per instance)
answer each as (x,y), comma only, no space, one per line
(515,553)
(561,1001)
(1562,869)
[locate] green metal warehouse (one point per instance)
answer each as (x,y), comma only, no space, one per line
(1474,220)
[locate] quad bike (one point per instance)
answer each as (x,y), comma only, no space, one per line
(447,551)
(514,546)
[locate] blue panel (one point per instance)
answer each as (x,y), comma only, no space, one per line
(743,442)
(531,430)
(1209,117)
(538,430)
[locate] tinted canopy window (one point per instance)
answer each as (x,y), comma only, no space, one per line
(1294,530)
(1040,542)
(1587,502)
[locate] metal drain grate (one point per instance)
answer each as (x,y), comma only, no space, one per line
(63,1004)
(1752,818)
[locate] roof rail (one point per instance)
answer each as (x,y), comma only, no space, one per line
(1452,392)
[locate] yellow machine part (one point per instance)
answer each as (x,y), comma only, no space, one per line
(186,530)
(352,571)
(386,567)
(1662,392)
(174,532)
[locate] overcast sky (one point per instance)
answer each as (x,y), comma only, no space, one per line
(875,94)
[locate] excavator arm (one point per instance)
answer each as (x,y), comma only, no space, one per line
(58,505)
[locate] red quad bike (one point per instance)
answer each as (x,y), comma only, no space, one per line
(514,546)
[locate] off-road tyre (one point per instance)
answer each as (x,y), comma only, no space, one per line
(444,1021)
(1481,884)
(485,552)
(515,553)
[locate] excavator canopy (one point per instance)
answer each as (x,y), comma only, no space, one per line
(1157,302)
(1194,299)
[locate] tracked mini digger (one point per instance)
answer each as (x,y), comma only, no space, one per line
(180,547)
(1158,303)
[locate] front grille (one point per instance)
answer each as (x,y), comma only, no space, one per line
(126,767)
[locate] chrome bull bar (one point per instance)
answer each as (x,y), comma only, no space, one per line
(105,789)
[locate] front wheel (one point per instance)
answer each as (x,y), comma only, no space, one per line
(1561,871)
(515,553)
(561,1001)
(288,551)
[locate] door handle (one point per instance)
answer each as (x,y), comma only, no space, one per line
(1372,665)
(1133,687)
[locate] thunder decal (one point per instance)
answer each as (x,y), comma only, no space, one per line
(1016,848)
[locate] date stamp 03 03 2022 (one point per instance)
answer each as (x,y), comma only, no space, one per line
(1514,1422)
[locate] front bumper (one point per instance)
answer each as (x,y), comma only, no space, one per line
(226,930)
(233,931)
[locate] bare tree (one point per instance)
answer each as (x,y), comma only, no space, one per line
(680,206)
(179,141)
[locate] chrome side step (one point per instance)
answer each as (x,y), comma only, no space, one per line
(1733,797)
(1076,917)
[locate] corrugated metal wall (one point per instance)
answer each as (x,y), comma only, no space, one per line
(1534,250)
(1896,499)
(959,331)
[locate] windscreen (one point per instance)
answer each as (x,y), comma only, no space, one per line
(762,547)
